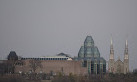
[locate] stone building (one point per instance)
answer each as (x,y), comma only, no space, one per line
(61,63)
(87,62)
(118,66)
(55,66)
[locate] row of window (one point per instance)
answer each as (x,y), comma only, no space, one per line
(97,69)
(45,58)
(85,63)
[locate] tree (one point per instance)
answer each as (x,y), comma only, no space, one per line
(34,64)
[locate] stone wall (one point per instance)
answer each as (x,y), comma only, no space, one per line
(55,66)
(119,66)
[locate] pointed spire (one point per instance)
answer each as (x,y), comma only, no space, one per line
(126,47)
(111,49)
(111,41)
(111,44)
(126,44)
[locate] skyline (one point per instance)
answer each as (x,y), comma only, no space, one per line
(46,28)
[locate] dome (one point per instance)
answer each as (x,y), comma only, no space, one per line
(96,52)
(89,41)
(89,51)
(81,52)
(12,56)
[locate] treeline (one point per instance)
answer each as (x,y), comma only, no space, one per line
(131,77)
(97,78)
(12,78)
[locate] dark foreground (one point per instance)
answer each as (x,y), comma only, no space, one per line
(74,78)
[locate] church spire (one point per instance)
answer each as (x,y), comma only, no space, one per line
(111,50)
(126,48)
(126,44)
(126,59)
(111,44)
(111,57)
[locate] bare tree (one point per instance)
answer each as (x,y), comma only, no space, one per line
(34,64)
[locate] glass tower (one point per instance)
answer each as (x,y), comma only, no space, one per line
(90,56)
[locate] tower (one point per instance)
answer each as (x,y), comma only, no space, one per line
(12,56)
(90,56)
(126,59)
(89,47)
(111,58)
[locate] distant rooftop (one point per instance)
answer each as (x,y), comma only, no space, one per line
(62,54)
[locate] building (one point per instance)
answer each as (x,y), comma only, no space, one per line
(60,56)
(12,56)
(61,63)
(90,56)
(118,66)
(87,62)
(52,66)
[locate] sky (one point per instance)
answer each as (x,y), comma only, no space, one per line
(35,28)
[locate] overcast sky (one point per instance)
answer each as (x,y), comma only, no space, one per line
(35,28)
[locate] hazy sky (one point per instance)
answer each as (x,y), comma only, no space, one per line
(35,28)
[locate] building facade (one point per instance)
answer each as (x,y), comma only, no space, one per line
(52,66)
(118,66)
(61,63)
(87,62)
(90,56)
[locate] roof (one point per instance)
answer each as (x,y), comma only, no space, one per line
(12,55)
(62,54)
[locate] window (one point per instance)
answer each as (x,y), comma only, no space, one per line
(85,63)
(92,67)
